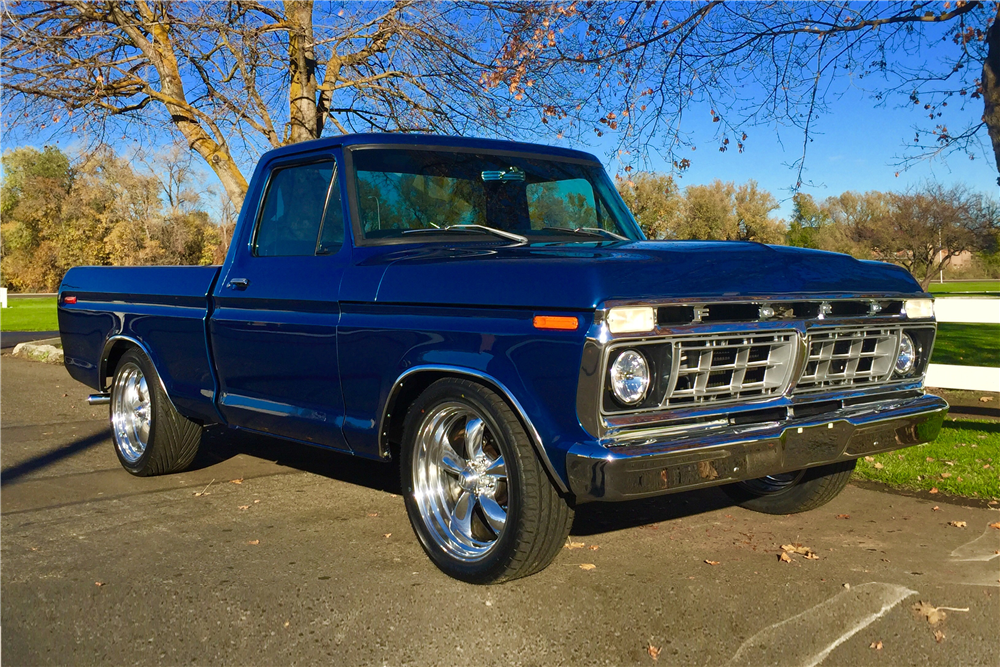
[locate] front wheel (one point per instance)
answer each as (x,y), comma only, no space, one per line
(478,498)
(150,436)
(793,492)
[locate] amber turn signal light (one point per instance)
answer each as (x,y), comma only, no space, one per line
(557,322)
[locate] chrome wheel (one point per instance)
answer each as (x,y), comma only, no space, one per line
(771,484)
(131,412)
(460,481)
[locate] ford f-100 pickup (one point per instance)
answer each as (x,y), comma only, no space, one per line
(489,316)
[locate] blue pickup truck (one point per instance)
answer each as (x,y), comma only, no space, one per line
(490,316)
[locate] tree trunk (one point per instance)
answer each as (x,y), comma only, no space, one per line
(991,87)
(302,67)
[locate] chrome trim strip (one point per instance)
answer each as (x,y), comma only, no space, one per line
(769,298)
(536,439)
(110,343)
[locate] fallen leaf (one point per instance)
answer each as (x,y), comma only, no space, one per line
(843,516)
(244,507)
(712,562)
(373,514)
(236,481)
(935,508)
(957,524)
(929,459)
(938,636)
(801,550)
(876,645)
(287,623)
(593,547)
(784,557)
(869,458)
(574,545)
(945,475)
(98,583)
(847,586)
(387,535)
(982,399)
(256,501)
(929,611)
(588,566)
(879,466)
(995,525)
(653,651)
(254,542)
(933,490)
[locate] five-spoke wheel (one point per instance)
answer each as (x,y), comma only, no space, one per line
(478,498)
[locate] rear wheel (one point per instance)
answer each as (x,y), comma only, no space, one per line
(478,498)
(789,493)
(150,436)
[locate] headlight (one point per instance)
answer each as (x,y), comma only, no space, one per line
(907,355)
(918,309)
(631,319)
(629,377)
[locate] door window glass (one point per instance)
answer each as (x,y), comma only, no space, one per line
(332,236)
(292,211)
(567,204)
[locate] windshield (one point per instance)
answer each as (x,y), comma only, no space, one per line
(401,190)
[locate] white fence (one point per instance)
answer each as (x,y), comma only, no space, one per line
(962,310)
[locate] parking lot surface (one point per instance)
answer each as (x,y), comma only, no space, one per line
(268,553)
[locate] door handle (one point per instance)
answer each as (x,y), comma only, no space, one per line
(239,284)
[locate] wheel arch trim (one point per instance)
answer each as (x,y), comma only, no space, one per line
(110,344)
(489,380)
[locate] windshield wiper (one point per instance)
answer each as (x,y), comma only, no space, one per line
(475,229)
(590,231)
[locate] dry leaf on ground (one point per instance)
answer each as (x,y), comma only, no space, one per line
(995,525)
(957,524)
(876,645)
(843,516)
(933,490)
(985,399)
(244,507)
(929,611)
(653,651)
(712,562)
(253,542)
(869,458)
(236,481)
(938,636)
(588,566)
(387,535)
(98,583)
(373,514)
(573,545)
(879,466)
(593,547)
(935,508)
(801,550)
(784,557)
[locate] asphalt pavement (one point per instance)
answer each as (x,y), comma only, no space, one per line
(268,553)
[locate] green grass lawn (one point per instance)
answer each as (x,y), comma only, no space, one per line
(967,344)
(986,287)
(963,461)
(31,314)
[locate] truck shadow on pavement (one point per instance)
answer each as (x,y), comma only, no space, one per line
(219,445)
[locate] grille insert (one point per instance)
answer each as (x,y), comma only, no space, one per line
(848,357)
(730,367)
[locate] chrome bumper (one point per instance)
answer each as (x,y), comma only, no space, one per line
(666,464)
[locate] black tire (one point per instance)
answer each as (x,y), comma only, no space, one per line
(799,492)
(172,441)
(538,518)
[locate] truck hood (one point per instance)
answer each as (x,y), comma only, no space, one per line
(583,276)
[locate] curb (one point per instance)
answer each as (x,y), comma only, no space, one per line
(42,350)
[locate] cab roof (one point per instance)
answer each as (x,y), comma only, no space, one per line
(428,140)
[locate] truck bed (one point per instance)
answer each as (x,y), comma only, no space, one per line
(162,308)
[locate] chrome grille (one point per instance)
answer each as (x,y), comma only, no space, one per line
(848,357)
(730,367)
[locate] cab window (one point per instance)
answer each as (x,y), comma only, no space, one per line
(292,213)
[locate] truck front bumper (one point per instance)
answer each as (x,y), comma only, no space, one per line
(669,463)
